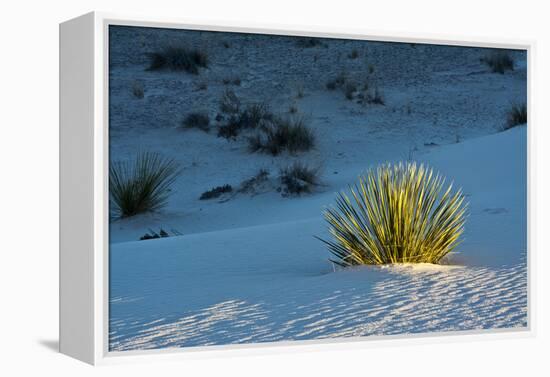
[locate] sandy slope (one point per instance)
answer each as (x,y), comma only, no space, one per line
(435,95)
(273,282)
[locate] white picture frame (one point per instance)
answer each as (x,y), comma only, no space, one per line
(84,165)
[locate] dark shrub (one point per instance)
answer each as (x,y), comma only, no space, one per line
(373,96)
(298,178)
(308,42)
(230,103)
(517,115)
(201,85)
(250,185)
(284,134)
(137,89)
(252,117)
(300,91)
(141,186)
(178,59)
(231,129)
(153,235)
(256,142)
(197,120)
(331,85)
(337,82)
(231,80)
(216,192)
(499,61)
(349,90)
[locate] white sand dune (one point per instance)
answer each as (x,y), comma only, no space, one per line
(273,282)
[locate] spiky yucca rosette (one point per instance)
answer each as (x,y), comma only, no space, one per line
(399,213)
(142,185)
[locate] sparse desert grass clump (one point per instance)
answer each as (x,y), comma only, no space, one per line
(402,213)
(517,115)
(138,90)
(250,185)
(349,90)
(235,80)
(367,93)
(337,82)
(255,115)
(373,96)
(308,42)
(300,91)
(231,129)
(230,103)
(499,61)
(178,59)
(141,186)
(331,85)
(252,117)
(151,235)
(298,178)
(197,120)
(216,192)
(283,134)
(201,85)
(354,54)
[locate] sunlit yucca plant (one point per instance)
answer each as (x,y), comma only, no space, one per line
(398,213)
(142,185)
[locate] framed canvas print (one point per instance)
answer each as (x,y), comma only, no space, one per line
(225,187)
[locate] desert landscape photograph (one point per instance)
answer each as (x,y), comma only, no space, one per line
(275,188)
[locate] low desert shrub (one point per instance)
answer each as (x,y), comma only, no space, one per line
(307,42)
(298,178)
(154,235)
(254,116)
(349,90)
(178,59)
(292,135)
(141,186)
(231,129)
(197,120)
(331,85)
(201,85)
(354,54)
(401,213)
(337,82)
(517,115)
(216,192)
(137,89)
(374,96)
(230,103)
(231,81)
(300,91)
(499,61)
(250,185)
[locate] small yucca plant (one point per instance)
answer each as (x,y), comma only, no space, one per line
(396,214)
(516,116)
(141,186)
